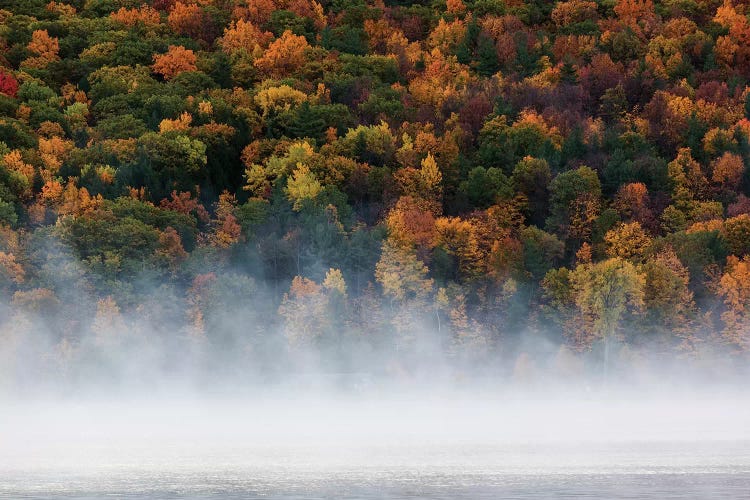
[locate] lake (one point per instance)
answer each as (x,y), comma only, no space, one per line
(446,448)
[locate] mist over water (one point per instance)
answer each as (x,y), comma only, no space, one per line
(128,412)
(391,442)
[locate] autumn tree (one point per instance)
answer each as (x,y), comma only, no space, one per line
(284,55)
(145,14)
(411,224)
(304,311)
(8,84)
(301,186)
(177,60)
(402,276)
(44,48)
(226,230)
(632,203)
(735,290)
(244,36)
(727,171)
(189,20)
(627,241)
(11,272)
(459,239)
(737,234)
(668,299)
(603,293)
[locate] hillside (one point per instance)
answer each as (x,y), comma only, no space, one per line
(531,187)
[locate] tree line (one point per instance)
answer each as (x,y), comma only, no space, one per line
(266,176)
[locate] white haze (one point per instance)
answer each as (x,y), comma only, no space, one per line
(151,415)
(332,445)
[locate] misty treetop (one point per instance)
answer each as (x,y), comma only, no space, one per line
(268,176)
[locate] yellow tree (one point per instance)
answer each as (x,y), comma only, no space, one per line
(11,272)
(304,311)
(431,178)
(667,297)
(735,289)
(302,186)
(226,230)
(404,280)
(458,237)
(401,274)
(603,293)
(627,241)
(244,36)
(686,176)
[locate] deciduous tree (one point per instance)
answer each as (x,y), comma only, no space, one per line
(177,60)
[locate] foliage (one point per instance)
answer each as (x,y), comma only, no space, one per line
(476,169)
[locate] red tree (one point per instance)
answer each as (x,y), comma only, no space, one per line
(8,84)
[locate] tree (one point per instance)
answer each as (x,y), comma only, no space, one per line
(45,49)
(431,179)
(304,311)
(483,187)
(687,178)
(574,12)
(302,186)
(11,272)
(531,176)
(145,14)
(541,251)
(226,229)
(632,203)
(411,224)
(244,36)
(735,289)
(487,61)
(667,297)
(402,276)
(8,84)
(604,292)
(175,158)
(177,60)
(727,171)
(501,145)
(574,203)
(627,241)
(283,56)
(737,234)
(190,20)
(459,238)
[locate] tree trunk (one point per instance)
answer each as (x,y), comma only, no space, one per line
(607,341)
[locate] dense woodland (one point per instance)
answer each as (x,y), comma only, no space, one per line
(518,184)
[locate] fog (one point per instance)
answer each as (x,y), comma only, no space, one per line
(438,443)
(137,404)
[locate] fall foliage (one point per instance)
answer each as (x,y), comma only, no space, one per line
(177,60)
(463,172)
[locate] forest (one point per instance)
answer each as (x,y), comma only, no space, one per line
(518,186)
